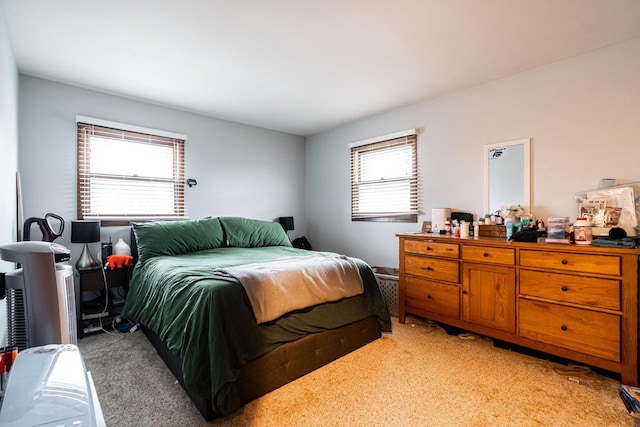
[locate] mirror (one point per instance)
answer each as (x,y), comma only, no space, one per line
(507,175)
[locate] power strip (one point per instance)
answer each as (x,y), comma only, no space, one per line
(90,329)
(89,316)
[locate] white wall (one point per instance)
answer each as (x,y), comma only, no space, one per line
(8,152)
(582,115)
(241,170)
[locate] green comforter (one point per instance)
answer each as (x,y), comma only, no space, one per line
(207,320)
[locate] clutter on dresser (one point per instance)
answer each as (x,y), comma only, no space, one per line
(582,231)
(611,206)
(438,217)
(558,230)
(617,239)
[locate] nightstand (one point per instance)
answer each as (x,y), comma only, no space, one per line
(92,314)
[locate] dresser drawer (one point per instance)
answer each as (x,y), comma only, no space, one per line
(506,256)
(586,263)
(584,331)
(591,291)
(432,268)
(428,247)
(435,297)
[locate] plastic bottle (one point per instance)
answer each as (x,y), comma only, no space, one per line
(582,231)
(517,226)
(509,229)
(476,229)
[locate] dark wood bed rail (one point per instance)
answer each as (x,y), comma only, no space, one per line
(282,364)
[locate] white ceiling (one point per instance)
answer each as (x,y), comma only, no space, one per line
(302,66)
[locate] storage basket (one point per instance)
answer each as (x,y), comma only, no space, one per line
(387,278)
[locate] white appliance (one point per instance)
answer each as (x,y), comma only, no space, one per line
(49,386)
(41,307)
(438,218)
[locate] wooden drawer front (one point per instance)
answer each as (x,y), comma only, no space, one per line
(584,331)
(601,264)
(427,247)
(591,291)
(434,297)
(506,256)
(432,268)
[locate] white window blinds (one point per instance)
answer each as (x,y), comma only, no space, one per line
(126,175)
(384,180)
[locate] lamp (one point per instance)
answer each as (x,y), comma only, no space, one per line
(85,232)
(286,222)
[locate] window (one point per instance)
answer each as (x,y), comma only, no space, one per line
(127,174)
(384,178)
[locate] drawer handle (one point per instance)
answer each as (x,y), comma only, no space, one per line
(564,327)
(429,248)
(464,292)
(565,262)
(485,254)
(564,289)
(428,296)
(428,268)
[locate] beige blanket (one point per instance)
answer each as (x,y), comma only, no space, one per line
(286,284)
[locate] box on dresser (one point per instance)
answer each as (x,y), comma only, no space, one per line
(492,230)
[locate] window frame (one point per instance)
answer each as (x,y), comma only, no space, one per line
(87,126)
(380,144)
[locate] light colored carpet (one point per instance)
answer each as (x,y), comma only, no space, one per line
(418,375)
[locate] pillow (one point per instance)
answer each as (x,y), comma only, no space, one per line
(253,233)
(177,237)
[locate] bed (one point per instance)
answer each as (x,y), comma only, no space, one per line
(202,318)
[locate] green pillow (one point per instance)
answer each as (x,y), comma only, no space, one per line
(177,237)
(253,233)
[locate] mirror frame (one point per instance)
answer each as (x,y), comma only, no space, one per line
(526,171)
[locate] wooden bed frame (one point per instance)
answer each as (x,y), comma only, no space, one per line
(282,364)
(279,366)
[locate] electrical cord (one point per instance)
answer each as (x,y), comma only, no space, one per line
(106,299)
(117,319)
(114,327)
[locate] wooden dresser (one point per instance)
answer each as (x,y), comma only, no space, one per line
(576,302)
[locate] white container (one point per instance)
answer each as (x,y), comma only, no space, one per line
(439,216)
(582,231)
(464,229)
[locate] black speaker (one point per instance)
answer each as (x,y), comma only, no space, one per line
(286,222)
(462,216)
